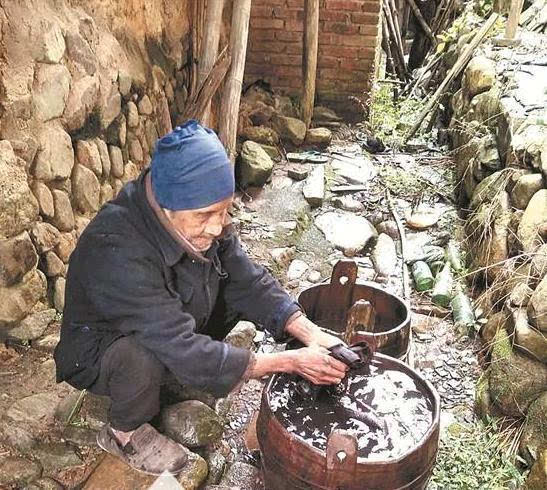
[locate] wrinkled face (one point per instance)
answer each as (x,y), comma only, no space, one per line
(201,226)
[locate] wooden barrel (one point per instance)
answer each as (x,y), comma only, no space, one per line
(328,304)
(290,463)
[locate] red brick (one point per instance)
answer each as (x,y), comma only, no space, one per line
(268,47)
(261,11)
(294,48)
(328,62)
(355,64)
(367,18)
(357,40)
(285,59)
(367,53)
(284,13)
(295,3)
(288,71)
(327,84)
(294,25)
(368,30)
(269,2)
(339,51)
(351,5)
(371,7)
(330,15)
(259,69)
(335,74)
(340,28)
(288,36)
(262,35)
(327,38)
(266,23)
(292,82)
(254,57)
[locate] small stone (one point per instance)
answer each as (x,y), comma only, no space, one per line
(116,160)
(33,326)
(298,172)
(318,137)
(192,423)
(110,105)
(124,82)
(283,255)
(290,128)
(132,115)
(55,157)
(86,190)
(145,106)
(525,188)
(314,276)
(59,294)
(50,46)
(537,306)
(314,187)
(45,199)
(56,456)
(52,265)
(479,76)
(216,463)
(19,299)
(531,341)
(384,256)
(255,165)
(66,245)
(64,216)
(242,335)
(534,217)
(45,483)
(296,269)
(389,228)
(107,193)
(348,203)
(50,91)
(47,343)
(537,478)
(520,295)
(18,471)
(135,151)
(241,475)
(17,257)
(105,157)
(82,99)
(44,236)
(131,172)
(88,155)
(260,134)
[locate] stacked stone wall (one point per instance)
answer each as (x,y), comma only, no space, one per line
(349,40)
(86,88)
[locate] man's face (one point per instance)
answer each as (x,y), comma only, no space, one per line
(201,226)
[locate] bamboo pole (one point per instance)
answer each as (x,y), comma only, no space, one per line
(209,48)
(421,21)
(232,89)
(309,58)
(390,64)
(460,64)
(399,57)
(513,19)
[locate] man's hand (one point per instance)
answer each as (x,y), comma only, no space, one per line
(316,365)
(309,333)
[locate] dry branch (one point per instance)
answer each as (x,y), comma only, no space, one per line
(460,64)
(421,20)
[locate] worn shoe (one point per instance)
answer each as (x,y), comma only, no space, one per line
(147,451)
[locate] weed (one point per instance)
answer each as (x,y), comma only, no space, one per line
(478,456)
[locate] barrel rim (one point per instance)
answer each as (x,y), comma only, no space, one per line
(404,323)
(434,426)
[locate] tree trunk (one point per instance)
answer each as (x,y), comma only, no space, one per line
(309,58)
(209,48)
(232,88)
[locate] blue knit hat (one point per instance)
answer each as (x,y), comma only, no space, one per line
(190,169)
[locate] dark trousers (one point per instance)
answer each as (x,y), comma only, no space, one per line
(132,377)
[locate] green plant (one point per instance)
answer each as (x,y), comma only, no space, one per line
(477,456)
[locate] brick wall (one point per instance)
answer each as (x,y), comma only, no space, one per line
(349,38)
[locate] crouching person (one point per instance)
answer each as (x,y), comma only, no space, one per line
(155,283)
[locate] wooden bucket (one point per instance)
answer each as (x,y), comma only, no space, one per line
(290,463)
(328,305)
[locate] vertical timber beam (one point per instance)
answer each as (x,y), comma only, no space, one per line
(513,19)
(209,47)
(309,58)
(241,12)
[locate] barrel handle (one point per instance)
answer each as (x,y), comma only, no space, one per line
(342,281)
(341,459)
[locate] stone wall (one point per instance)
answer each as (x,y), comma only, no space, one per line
(499,131)
(349,39)
(86,88)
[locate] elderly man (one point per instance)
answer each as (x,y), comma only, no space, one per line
(151,288)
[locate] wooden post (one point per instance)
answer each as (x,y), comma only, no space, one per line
(232,89)
(309,59)
(513,19)
(209,48)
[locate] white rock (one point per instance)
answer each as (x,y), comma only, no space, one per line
(314,276)
(347,232)
(356,170)
(296,269)
(51,88)
(314,187)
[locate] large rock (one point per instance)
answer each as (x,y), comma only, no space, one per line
(110,105)
(384,256)
(18,471)
(17,204)
(537,478)
(27,419)
(490,328)
(525,188)
(314,187)
(290,129)
(34,325)
(145,106)
(81,57)
(45,199)
(52,265)
(135,150)
(538,265)
(88,155)
(55,157)
(533,221)
(132,115)
(479,76)
(534,434)
(356,170)
(50,93)
(318,137)
(260,134)
(64,216)
(345,231)
(297,269)
(17,257)
(86,189)
(528,340)
(527,145)
(116,161)
(44,236)
(537,306)
(81,102)
(515,380)
(18,300)
(56,456)
(192,423)
(50,46)
(255,165)
(489,188)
